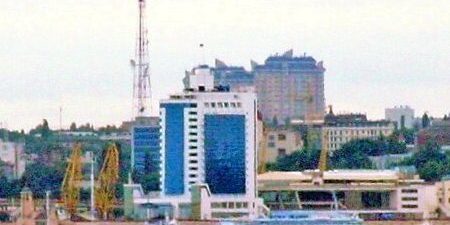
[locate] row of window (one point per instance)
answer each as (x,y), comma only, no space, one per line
(223,104)
(229,205)
(357,132)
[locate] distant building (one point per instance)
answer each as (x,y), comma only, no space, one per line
(145,145)
(208,151)
(438,131)
(290,88)
(403,116)
(280,142)
(340,129)
(234,77)
(12,154)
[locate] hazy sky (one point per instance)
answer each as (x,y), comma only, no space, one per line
(75,53)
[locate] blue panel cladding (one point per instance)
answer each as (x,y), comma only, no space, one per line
(225,153)
(174,148)
(146,145)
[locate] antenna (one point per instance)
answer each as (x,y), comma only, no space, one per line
(202,50)
(141,64)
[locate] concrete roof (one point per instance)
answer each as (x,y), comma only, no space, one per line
(331,175)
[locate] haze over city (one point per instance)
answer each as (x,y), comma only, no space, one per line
(75,54)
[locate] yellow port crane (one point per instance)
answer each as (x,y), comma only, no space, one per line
(310,118)
(70,189)
(106,181)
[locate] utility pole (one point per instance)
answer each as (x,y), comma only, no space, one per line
(92,185)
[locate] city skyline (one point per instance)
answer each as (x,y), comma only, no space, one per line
(75,54)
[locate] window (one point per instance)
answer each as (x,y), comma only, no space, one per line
(193,133)
(271,137)
(281,152)
(239,105)
(213,104)
(409,190)
(220,105)
(193,140)
(207,104)
(192,176)
(192,113)
(192,119)
(226,104)
(193,154)
(410,206)
(233,105)
(281,137)
(193,161)
(271,145)
(409,199)
(192,147)
(192,127)
(193,105)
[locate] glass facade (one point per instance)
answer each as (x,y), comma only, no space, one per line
(225,153)
(174,148)
(146,146)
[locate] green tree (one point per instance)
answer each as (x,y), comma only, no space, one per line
(73,126)
(433,170)
(354,155)
(41,178)
(297,161)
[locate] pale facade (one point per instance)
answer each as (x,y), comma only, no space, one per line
(280,142)
(403,116)
(334,137)
(13,154)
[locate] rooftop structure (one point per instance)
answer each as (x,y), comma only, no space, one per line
(235,77)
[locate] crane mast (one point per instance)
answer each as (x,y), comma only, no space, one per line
(70,189)
(141,66)
(105,192)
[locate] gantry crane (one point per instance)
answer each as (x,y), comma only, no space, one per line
(107,180)
(70,189)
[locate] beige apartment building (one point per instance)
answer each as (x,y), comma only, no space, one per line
(290,87)
(278,142)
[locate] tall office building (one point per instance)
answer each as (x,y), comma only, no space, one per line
(290,88)
(145,145)
(208,139)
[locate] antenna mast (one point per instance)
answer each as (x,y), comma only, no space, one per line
(141,66)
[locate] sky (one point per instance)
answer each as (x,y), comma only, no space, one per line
(75,54)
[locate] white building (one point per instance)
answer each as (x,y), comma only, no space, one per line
(403,116)
(13,154)
(208,151)
(340,129)
(370,193)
